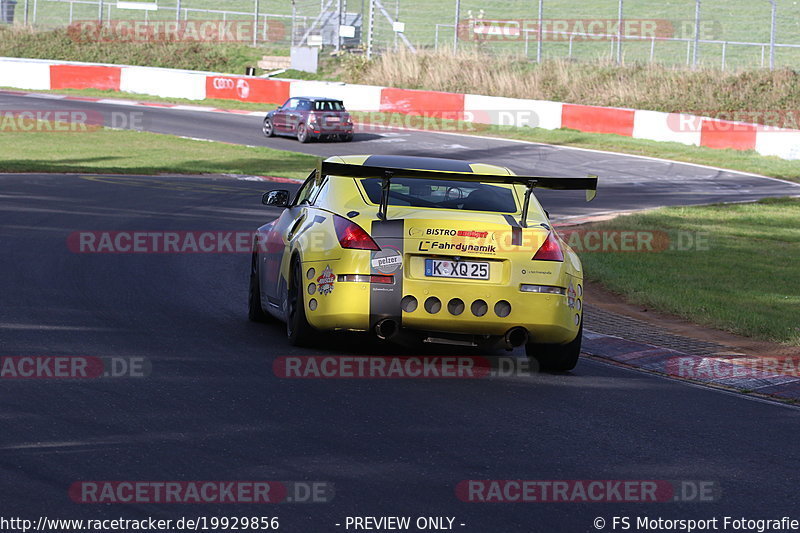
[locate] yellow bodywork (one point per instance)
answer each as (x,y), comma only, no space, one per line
(420,233)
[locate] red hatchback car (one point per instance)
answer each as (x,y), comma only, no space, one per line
(308,118)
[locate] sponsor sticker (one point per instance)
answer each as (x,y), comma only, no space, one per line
(326,280)
(387,261)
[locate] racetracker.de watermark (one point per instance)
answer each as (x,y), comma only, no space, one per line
(428,240)
(646,241)
(160,242)
(217,31)
(401,367)
(55,121)
(203,492)
(68,121)
(586,491)
(583,30)
(732,367)
(54,367)
(742,120)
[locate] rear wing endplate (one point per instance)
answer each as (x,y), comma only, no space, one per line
(589,183)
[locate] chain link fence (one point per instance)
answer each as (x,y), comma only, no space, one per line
(725,34)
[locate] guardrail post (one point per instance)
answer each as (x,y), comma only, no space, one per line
(652,49)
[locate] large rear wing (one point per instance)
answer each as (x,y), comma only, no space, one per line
(589,183)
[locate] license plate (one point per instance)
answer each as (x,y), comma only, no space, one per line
(442,268)
(334,119)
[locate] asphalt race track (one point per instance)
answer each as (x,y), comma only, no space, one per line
(210,406)
(626,183)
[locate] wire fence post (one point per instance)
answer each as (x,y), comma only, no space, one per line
(255,23)
(178,11)
(772,35)
(539,33)
(338,25)
(724,52)
(370,31)
(696,32)
(294,22)
(455,27)
(619,33)
(100,11)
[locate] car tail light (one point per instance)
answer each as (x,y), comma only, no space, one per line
(550,250)
(542,289)
(353,236)
(312,118)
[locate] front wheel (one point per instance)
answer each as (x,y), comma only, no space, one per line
(557,357)
(298,330)
(268,129)
(302,134)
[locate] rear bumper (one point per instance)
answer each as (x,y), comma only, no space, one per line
(468,309)
(325,131)
(548,318)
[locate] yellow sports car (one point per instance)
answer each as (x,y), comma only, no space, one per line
(437,250)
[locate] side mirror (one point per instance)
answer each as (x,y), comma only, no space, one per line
(277,198)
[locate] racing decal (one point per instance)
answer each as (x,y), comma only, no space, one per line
(435,246)
(326,280)
(571,295)
(384,299)
(446,232)
(516,230)
(387,261)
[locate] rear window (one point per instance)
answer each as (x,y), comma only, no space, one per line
(443,194)
(328,105)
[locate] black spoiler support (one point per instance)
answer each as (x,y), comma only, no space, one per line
(588,184)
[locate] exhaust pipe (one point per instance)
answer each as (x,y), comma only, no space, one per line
(386,329)
(516,337)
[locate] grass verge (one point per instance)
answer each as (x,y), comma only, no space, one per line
(131,152)
(60,45)
(730,266)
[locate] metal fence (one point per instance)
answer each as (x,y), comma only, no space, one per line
(711,33)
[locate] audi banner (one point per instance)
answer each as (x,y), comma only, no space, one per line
(247,89)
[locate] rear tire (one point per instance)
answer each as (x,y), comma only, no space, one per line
(557,357)
(302,134)
(268,129)
(347,138)
(298,330)
(255,311)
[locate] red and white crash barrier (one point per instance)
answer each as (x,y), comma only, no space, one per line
(194,85)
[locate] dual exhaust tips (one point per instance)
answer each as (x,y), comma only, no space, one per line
(388,328)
